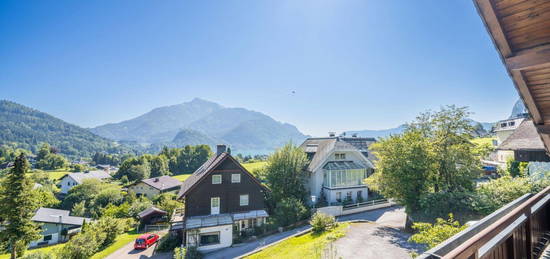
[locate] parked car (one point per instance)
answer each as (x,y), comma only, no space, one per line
(146,240)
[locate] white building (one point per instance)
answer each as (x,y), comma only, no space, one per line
(56,226)
(505,128)
(71,180)
(338,166)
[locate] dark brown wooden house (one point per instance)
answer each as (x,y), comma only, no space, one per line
(222,199)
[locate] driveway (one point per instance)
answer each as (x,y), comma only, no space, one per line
(392,217)
(128,252)
(373,240)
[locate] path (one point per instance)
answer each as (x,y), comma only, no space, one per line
(128,252)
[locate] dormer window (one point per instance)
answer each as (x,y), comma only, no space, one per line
(340,156)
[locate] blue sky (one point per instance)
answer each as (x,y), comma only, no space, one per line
(352,64)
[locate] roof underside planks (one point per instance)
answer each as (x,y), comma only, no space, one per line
(520,30)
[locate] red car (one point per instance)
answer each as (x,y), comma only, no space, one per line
(146,240)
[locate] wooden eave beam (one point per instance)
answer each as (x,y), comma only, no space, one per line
(530,59)
(515,62)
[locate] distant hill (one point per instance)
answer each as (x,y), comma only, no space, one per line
(27,128)
(159,125)
(398,130)
(378,133)
(203,122)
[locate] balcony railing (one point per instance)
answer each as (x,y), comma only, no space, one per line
(518,230)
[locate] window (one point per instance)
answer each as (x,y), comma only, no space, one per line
(348,195)
(359,194)
(512,123)
(338,196)
(48,238)
(340,156)
(243,200)
(209,239)
(217,179)
(236,178)
(502,125)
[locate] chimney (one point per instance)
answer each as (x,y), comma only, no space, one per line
(332,134)
(156,179)
(220,149)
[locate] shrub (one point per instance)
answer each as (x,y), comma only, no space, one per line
(193,253)
(499,192)
(320,222)
(440,231)
(290,211)
(441,203)
(168,243)
(179,253)
(39,255)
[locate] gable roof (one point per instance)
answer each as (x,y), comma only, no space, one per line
(321,148)
(162,183)
(150,211)
(206,168)
(79,177)
(524,137)
(48,215)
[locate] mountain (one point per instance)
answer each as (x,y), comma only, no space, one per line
(487,126)
(204,122)
(27,128)
(159,125)
(518,110)
(378,133)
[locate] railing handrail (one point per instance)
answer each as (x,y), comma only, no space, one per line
(367,203)
(471,246)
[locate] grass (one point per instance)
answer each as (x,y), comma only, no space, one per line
(181,177)
(46,249)
(120,241)
(483,141)
(307,246)
(254,166)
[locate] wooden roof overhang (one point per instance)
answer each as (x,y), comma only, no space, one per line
(520,30)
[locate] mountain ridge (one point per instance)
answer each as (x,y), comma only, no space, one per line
(203,120)
(26,127)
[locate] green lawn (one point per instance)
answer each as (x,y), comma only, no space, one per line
(482,141)
(255,165)
(46,249)
(181,177)
(121,241)
(306,246)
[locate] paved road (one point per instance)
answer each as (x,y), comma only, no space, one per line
(128,252)
(372,240)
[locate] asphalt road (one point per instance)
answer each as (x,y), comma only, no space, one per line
(128,252)
(372,241)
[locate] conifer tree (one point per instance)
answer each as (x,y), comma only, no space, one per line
(18,208)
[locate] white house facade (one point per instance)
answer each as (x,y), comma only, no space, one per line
(338,166)
(71,180)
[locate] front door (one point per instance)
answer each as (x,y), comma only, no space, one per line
(214,205)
